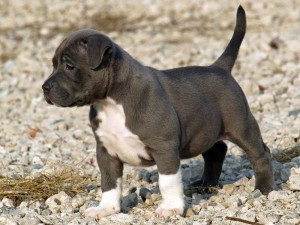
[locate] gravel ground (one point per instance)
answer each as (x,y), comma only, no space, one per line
(35,136)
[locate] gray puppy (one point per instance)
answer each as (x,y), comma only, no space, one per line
(143,116)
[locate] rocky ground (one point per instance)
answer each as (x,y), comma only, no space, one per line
(35,136)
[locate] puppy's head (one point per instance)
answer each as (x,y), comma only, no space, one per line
(80,72)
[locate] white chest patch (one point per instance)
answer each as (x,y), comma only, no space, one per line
(118,140)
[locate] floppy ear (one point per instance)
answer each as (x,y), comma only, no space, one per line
(96,46)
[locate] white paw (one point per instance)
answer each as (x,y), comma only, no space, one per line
(172,193)
(101,211)
(164,211)
(109,205)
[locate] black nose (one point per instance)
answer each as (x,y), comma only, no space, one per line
(46,87)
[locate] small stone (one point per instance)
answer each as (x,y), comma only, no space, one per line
(201,223)
(9,66)
(148,202)
(130,200)
(132,190)
(229,188)
(264,217)
(186,174)
(145,194)
(241,182)
(92,204)
(23,204)
(77,202)
(294,179)
(249,215)
(196,198)
(28,219)
(155,197)
(7,221)
(119,218)
(14,212)
(256,193)
(155,190)
(154,176)
(275,43)
(60,202)
(292,218)
(234,201)
(204,214)
(284,174)
(37,161)
(296,160)
(281,195)
(37,166)
(266,98)
(92,187)
(46,212)
(189,212)
(44,31)
(243,199)
(145,175)
(294,112)
(78,134)
(8,202)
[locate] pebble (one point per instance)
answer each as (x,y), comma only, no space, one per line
(154,176)
(92,187)
(229,188)
(241,182)
(129,201)
(60,202)
(285,195)
(256,193)
(7,221)
(28,219)
(189,212)
(145,193)
(7,202)
(14,212)
(294,179)
(145,175)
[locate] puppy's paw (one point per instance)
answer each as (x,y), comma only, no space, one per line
(163,211)
(101,211)
(166,209)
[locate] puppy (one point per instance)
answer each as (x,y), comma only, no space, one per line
(143,116)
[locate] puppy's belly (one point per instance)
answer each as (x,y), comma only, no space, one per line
(118,140)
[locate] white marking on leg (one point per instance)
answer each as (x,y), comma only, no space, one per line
(109,204)
(171,189)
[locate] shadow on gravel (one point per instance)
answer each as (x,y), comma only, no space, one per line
(236,175)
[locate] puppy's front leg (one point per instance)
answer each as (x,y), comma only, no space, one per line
(170,185)
(111,184)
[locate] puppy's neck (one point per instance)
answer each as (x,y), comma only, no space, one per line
(124,72)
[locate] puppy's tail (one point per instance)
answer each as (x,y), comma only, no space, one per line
(227,59)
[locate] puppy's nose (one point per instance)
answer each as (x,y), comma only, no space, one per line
(46,87)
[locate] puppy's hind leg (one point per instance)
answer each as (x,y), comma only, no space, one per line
(213,162)
(249,139)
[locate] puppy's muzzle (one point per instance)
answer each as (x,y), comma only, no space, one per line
(46,89)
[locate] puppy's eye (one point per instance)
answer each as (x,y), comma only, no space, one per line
(83,41)
(69,67)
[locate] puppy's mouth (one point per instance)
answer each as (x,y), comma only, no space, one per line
(79,102)
(47,99)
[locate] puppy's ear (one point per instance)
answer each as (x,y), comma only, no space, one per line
(97,47)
